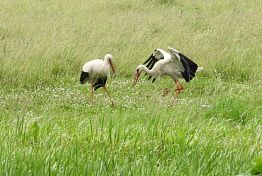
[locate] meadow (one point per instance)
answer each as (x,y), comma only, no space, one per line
(49,126)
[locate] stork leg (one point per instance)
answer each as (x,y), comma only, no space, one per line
(92,91)
(179,88)
(108,94)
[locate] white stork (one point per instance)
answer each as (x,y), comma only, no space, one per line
(173,64)
(96,72)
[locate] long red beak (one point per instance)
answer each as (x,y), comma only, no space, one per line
(112,66)
(136,78)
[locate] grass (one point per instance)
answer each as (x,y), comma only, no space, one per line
(50,127)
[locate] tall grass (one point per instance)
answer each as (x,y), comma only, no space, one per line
(42,39)
(50,127)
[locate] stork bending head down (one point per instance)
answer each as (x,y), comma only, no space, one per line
(96,72)
(173,64)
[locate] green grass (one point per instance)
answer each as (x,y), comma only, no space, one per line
(50,127)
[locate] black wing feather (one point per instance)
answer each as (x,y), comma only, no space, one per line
(193,65)
(84,76)
(153,80)
(189,66)
(101,82)
(150,62)
(148,59)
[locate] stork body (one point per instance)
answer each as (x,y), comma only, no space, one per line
(96,72)
(173,64)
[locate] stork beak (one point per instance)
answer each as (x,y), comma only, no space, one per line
(112,66)
(137,74)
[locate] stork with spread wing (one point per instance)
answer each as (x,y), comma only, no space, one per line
(174,64)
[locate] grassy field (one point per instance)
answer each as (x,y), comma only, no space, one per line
(48,126)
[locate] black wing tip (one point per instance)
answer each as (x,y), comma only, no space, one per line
(154,79)
(97,86)
(187,77)
(148,59)
(190,67)
(83,77)
(101,82)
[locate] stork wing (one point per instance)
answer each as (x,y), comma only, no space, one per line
(153,58)
(189,67)
(151,61)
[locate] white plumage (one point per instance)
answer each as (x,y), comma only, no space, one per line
(96,72)
(173,64)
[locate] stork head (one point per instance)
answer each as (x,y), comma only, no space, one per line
(138,72)
(108,59)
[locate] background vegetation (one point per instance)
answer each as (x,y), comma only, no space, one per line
(49,126)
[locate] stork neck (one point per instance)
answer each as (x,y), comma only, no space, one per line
(145,69)
(106,59)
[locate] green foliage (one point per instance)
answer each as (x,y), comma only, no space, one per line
(168,2)
(35,132)
(232,108)
(257,166)
(230,73)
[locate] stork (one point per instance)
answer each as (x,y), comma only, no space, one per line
(96,72)
(173,64)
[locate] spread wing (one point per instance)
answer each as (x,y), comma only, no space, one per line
(152,60)
(188,67)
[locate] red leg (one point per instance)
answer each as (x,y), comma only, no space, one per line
(179,88)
